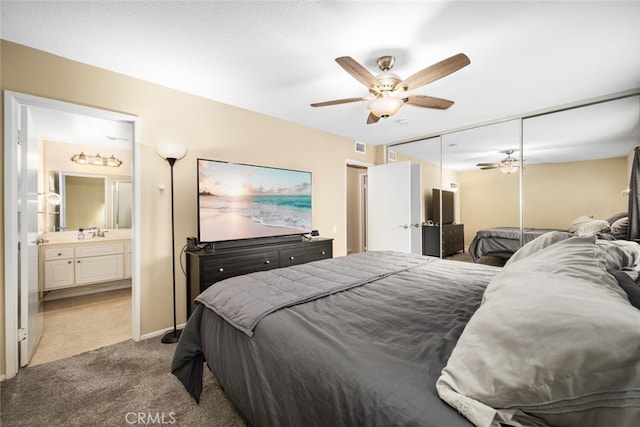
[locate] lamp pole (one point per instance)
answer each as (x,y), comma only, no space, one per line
(171,153)
(172,336)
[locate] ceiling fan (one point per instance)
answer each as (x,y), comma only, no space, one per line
(507,165)
(388,92)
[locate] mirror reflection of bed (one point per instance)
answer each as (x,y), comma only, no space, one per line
(576,164)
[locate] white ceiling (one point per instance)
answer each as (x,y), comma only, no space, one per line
(278,57)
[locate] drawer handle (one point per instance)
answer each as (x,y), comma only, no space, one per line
(59,253)
(70,262)
(291,258)
(78,261)
(324,253)
(267,262)
(221,269)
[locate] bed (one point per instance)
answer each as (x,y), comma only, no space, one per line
(368,354)
(503,242)
(384,338)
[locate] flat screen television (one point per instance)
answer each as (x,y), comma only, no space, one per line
(239,201)
(447,206)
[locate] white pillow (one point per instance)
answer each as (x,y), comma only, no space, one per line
(585,226)
(554,342)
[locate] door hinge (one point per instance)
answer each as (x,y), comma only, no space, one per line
(19,136)
(22,334)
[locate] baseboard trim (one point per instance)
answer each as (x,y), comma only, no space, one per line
(161,332)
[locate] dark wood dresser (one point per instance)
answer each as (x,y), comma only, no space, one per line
(452,239)
(206,267)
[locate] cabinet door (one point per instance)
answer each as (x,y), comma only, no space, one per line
(99,268)
(58,274)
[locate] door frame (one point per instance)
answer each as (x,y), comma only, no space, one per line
(354,163)
(12,103)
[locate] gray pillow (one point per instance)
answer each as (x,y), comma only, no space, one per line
(586,226)
(620,227)
(613,218)
(538,244)
(554,342)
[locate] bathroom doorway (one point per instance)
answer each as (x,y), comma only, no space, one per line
(102,136)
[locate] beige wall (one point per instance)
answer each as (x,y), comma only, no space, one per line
(554,195)
(210,130)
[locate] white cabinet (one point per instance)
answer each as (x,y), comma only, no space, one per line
(84,263)
(58,274)
(58,267)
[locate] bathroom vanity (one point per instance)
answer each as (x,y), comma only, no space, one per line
(68,263)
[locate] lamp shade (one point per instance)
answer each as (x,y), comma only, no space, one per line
(169,150)
(386,106)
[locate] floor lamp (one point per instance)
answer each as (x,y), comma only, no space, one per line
(171,153)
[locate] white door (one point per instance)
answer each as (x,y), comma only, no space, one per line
(29,298)
(394,208)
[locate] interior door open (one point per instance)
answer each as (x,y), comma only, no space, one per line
(394,208)
(28,293)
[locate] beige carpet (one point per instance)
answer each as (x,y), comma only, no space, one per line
(123,384)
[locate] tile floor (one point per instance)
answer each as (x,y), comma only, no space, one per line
(78,324)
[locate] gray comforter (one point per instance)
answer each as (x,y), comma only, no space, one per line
(244,300)
(369,355)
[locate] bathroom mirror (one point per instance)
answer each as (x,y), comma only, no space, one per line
(84,201)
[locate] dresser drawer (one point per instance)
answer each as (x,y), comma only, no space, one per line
(301,255)
(58,253)
(218,268)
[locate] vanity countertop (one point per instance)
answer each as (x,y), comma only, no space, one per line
(66,237)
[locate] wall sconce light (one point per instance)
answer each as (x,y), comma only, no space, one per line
(53,198)
(97,160)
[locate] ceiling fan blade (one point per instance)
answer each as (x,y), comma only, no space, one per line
(484,168)
(429,102)
(436,71)
(357,71)
(336,102)
(372,119)
(487,165)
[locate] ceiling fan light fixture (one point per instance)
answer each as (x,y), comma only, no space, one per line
(508,167)
(385,106)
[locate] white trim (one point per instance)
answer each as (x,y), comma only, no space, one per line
(12,100)
(348,162)
(11,112)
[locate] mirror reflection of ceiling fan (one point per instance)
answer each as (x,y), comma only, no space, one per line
(388,92)
(507,165)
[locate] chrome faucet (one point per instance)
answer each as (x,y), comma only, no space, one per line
(97,233)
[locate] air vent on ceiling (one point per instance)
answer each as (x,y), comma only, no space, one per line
(361,147)
(392,156)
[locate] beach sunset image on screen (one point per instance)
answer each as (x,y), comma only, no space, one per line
(237,201)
